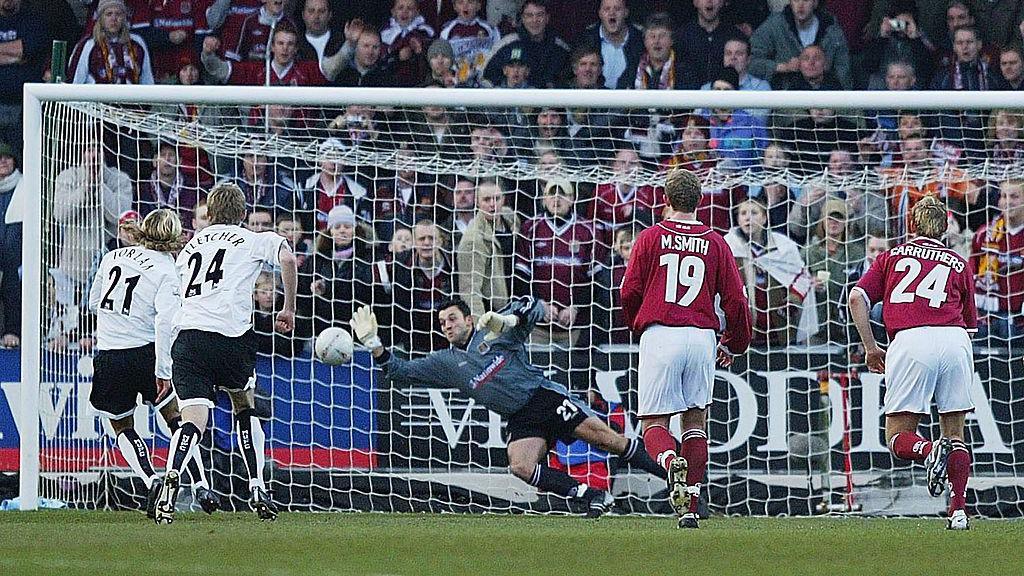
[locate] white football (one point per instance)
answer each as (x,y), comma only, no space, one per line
(333,346)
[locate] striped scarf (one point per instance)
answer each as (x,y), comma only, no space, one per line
(645,73)
(988,261)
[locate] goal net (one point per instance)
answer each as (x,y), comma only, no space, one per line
(402,198)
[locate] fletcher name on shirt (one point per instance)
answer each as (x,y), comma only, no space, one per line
(226,236)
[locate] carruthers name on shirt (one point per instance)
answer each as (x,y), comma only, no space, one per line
(231,237)
(935,254)
(685,243)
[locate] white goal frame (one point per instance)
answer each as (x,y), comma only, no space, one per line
(36,95)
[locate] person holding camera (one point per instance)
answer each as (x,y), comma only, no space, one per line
(900,39)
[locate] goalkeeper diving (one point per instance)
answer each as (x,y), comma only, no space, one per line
(488,362)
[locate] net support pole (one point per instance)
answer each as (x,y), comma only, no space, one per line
(32,282)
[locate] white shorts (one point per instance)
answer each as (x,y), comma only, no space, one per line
(927,362)
(677,369)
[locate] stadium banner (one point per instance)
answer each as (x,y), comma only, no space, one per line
(335,418)
(756,419)
(324,416)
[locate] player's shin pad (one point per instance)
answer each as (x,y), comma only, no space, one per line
(251,441)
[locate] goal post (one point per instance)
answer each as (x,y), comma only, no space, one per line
(783,441)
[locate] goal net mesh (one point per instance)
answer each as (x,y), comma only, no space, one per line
(401,207)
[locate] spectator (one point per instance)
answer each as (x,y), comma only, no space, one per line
(917,177)
(265,186)
(172,35)
(401,241)
(367,67)
(328,187)
(227,16)
(831,259)
(621,44)
(88,192)
(540,49)
(736,55)
(776,44)
(463,209)
(167,187)
(201,217)
(747,16)
(436,13)
(437,132)
(406,40)
(472,38)
(608,326)
(618,203)
(996,259)
(259,220)
(737,136)
(111,54)
(268,302)
(422,278)
(693,149)
(701,44)
(10,250)
(903,42)
(811,74)
(1011,63)
(1005,137)
(658,68)
(515,72)
(585,63)
(250,45)
(867,212)
(290,227)
(318,39)
(402,200)
(779,288)
(355,127)
(284,69)
(338,278)
(22,53)
(554,257)
(998,18)
(484,255)
(965,129)
(817,135)
(806,212)
(550,134)
(138,13)
(775,195)
(441,60)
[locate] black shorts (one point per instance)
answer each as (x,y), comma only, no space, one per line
(206,361)
(120,377)
(549,415)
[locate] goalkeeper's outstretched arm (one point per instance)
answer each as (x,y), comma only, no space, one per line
(516,320)
(428,372)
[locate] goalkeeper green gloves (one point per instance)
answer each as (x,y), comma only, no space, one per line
(364,326)
(496,324)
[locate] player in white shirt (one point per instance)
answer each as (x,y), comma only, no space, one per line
(215,346)
(135,297)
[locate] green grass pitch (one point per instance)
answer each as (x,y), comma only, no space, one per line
(111,543)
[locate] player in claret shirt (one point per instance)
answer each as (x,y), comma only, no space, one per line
(680,274)
(927,296)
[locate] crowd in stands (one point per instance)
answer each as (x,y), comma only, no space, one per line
(403,239)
